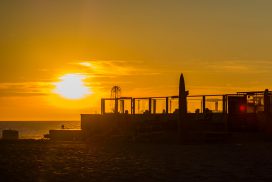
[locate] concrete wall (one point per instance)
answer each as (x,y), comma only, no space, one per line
(66,135)
(125,124)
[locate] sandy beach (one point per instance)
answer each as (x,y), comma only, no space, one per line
(75,161)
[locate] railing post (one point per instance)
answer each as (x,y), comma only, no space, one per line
(224,104)
(266,102)
(154,106)
(150,105)
(133,106)
(122,106)
(166,105)
(203,104)
(116,105)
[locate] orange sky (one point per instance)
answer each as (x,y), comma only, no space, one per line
(142,46)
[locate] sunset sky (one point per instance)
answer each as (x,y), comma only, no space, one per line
(50,46)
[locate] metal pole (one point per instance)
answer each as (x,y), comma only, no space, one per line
(203,104)
(224,104)
(154,106)
(133,106)
(150,105)
(116,106)
(166,105)
(122,106)
(266,101)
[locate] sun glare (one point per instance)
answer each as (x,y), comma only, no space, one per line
(72,86)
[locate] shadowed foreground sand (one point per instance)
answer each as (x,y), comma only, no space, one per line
(47,161)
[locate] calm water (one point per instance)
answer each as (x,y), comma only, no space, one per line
(36,129)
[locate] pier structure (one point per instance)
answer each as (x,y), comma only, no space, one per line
(242,111)
(241,102)
(164,105)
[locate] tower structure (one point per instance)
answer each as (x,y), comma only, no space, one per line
(182,106)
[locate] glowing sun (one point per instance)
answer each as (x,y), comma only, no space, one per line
(72,86)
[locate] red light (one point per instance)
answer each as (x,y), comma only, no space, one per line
(242,108)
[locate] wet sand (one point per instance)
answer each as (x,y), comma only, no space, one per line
(72,161)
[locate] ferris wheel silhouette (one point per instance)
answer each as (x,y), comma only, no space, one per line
(115,94)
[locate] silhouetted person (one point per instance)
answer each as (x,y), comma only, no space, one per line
(62,126)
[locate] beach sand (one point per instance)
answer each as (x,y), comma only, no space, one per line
(74,161)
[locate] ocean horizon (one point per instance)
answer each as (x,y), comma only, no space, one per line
(36,129)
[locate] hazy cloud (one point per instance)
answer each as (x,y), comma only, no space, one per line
(25,89)
(113,68)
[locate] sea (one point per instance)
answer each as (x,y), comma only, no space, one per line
(36,129)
